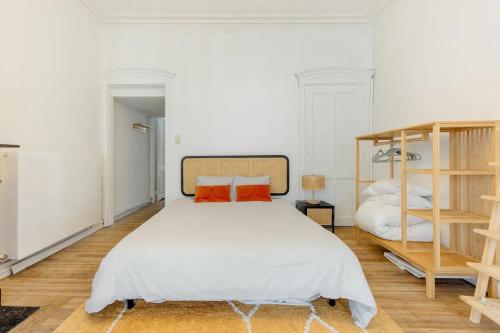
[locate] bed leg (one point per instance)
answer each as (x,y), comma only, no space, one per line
(332,302)
(130,304)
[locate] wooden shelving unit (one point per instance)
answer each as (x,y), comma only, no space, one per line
(472,145)
(448,216)
(453,172)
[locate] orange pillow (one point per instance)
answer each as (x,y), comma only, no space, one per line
(253,193)
(213,193)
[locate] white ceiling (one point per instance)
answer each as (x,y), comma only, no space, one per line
(235,11)
(150,106)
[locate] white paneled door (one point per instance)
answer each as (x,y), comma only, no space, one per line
(335,107)
(320,138)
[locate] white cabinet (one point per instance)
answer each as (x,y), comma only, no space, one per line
(334,107)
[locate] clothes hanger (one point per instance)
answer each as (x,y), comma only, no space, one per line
(395,155)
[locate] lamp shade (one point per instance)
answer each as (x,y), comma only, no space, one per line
(313,182)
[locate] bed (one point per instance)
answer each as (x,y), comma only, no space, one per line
(254,252)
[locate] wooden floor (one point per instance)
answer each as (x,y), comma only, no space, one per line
(62,282)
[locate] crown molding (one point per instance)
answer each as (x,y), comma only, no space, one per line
(137,72)
(379,6)
(368,73)
(94,9)
(236,19)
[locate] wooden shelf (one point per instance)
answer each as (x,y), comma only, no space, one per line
(471,171)
(420,255)
(450,216)
(485,310)
(488,233)
(490,198)
(490,270)
(453,172)
(445,126)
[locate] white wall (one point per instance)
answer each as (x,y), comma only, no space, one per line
(131,160)
(49,62)
(56,197)
(235,90)
(436,60)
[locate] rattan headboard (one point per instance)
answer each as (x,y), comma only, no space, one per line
(276,166)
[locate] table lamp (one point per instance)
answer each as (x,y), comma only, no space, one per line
(313,183)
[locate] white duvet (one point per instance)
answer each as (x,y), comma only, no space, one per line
(253,252)
(384,220)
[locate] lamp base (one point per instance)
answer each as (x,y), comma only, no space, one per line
(313,202)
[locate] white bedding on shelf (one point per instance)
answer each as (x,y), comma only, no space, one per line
(254,252)
(384,221)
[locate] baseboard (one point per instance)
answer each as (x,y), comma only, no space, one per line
(133,209)
(5,269)
(344,221)
(15,266)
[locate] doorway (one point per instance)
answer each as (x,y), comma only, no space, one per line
(132,83)
(138,152)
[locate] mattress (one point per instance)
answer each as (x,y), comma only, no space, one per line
(257,252)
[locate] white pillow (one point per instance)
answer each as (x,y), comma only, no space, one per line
(212,180)
(215,180)
(412,201)
(393,186)
(242,180)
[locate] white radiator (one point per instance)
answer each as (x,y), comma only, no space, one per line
(45,198)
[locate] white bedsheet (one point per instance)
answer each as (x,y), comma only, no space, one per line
(254,252)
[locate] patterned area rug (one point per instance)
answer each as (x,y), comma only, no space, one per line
(11,316)
(224,317)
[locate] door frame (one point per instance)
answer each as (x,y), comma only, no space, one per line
(131,83)
(327,76)
(155,121)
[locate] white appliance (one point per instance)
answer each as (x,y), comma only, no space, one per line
(46,197)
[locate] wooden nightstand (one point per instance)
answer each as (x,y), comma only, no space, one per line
(323,214)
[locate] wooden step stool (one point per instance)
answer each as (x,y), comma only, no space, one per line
(481,305)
